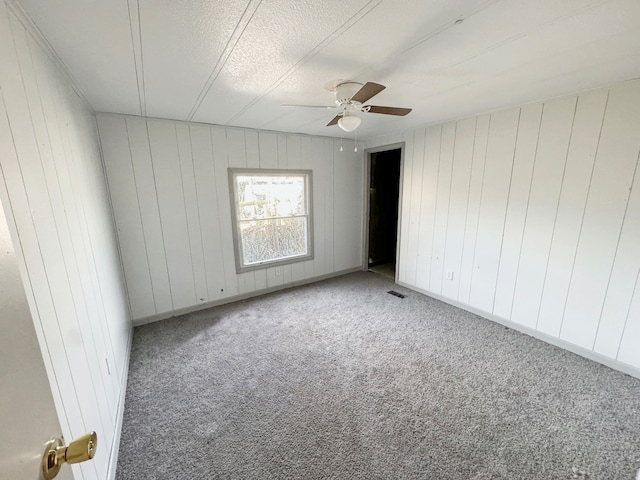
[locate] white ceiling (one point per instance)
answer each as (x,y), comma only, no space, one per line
(235,62)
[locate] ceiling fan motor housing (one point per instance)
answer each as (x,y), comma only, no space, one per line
(350,97)
(344,92)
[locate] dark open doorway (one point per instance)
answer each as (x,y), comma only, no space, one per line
(384,193)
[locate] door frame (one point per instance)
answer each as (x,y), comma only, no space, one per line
(367,180)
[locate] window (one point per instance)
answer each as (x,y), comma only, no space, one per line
(271,217)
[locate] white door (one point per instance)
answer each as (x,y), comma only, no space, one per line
(28,417)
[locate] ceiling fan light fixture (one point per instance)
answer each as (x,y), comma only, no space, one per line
(349,123)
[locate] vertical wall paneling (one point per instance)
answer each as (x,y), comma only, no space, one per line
(58,173)
(319,189)
(329,203)
(615,163)
(69,300)
(305,163)
(238,159)
(89,218)
(407,171)
(575,187)
(98,260)
(304,159)
(621,279)
(268,144)
(192,213)
(52,188)
(175,231)
(628,351)
(283,160)
(208,209)
(128,220)
(441,222)
(518,202)
(294,161)
(97,255)
(348,195)
(472,214)
(499,200)
(415,196)
(394,138)
(423,252)
(424,142)
(147,199)
(283,163)
(181,171)
(458,201)
(497,178)
(548,173)
(541,216)
(221,164)
(14,133)
(38,83)
(252,147)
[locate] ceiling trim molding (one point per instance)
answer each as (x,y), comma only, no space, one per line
(32,29)
(361,141)
(237,33)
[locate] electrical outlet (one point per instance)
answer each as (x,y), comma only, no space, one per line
(449,275)
(278,271)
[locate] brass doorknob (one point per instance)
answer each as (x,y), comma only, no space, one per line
(56,453)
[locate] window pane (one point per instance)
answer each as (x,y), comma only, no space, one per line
(264,240)
(261,196)
(270,209)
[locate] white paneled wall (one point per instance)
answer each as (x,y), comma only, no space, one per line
(53,191)
(169,187)
(536,211)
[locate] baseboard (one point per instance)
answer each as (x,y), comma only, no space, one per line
(237,298)
(583,352)
(115,444)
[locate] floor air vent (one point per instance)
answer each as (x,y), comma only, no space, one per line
(396,294)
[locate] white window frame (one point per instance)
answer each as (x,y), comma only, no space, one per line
(237,243)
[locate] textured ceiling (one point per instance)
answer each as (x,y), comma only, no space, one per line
(235,62)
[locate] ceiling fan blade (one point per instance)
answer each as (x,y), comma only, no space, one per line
(389,110)
(367,91)
(312,106)
(334,121)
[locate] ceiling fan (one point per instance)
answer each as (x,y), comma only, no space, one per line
(349,98)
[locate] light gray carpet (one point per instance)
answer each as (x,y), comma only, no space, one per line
(341,380)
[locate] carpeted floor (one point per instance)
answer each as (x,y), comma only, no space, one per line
(386,269)
(341,380)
